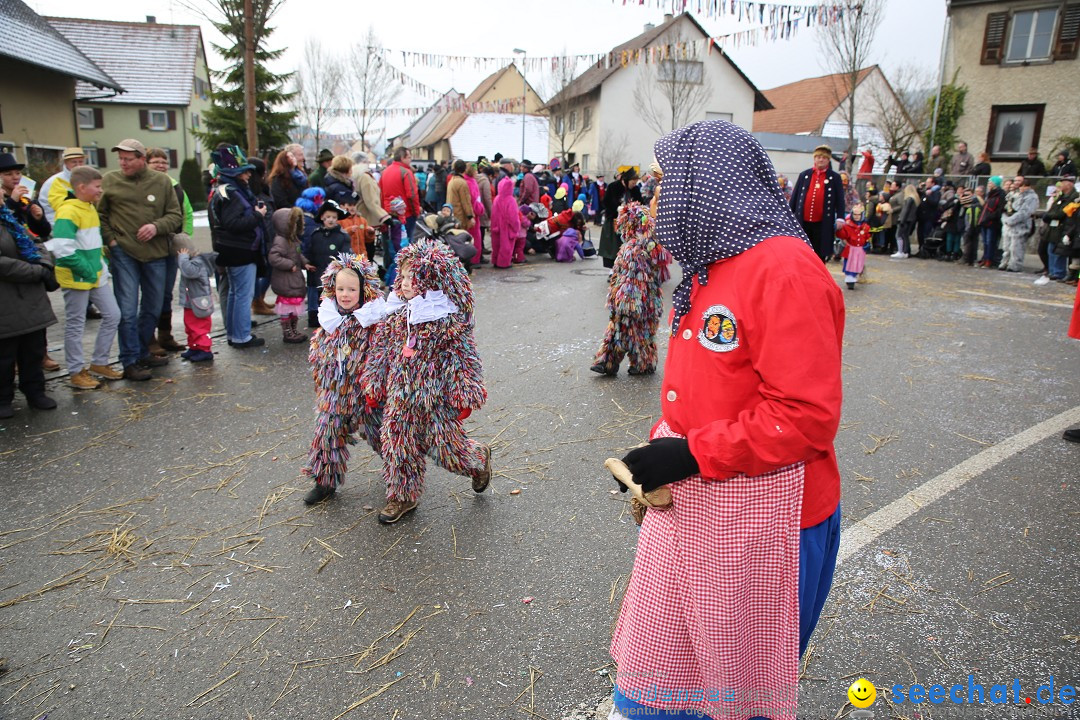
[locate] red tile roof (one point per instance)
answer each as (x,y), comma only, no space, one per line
(803,106)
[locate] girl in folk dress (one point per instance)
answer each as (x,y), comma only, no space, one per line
(854,230)
(348,313)
(426,374)
(635,299)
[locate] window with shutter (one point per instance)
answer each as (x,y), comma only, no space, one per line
(1068,39)
(171,116)
(101,155)
(157,120)
(144,119)
(172,159)
(1031,32)
(994,40)
(99,118)
(86,118)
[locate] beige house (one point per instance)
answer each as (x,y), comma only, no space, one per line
(456,125)
(38,88)
(1019,63)
(611,115)
(167,89)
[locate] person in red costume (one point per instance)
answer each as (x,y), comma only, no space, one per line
(729,581)
(818,201)
(854,230)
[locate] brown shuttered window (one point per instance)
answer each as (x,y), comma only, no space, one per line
(172,159)
(994,40)
(101,156)
(172,119)
(144,119)
(99,118)
(1068,38)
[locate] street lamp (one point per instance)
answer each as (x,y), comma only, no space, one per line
(524,85)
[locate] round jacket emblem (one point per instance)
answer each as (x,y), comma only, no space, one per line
(151,198)
(719,330)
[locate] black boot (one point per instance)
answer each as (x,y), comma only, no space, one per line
(318,493)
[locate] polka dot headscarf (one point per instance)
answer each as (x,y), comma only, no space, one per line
(719,197)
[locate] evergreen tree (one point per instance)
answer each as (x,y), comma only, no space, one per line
(950,109)
(224,121)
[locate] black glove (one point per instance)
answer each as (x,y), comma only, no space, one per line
(662,461)
(49,278)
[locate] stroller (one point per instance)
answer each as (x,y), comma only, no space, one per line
(933,244)
(460,241)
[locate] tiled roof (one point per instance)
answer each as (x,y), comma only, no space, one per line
(154,62)
(28,38)
(442,130)
(803,106)
(595,76)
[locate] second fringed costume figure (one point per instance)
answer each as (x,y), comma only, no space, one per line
(426,375)
(350,309)
(635,299)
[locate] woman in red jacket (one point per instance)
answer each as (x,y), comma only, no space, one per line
(729,581)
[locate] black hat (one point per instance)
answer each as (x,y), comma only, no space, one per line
(331,206)
(497,158)
(346,196)
(527,163)
(7,162)
(324,156)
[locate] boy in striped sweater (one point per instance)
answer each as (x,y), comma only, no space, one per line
(84,277)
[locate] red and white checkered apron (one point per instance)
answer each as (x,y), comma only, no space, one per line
(710,620)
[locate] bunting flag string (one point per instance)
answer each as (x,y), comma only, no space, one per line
(777,21)
(446,104)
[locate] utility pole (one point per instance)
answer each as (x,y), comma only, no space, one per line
(249,79)
(524,90)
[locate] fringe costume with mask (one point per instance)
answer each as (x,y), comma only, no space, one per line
(635,300)
(339,349)
(425,372)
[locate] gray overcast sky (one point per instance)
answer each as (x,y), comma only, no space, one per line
(909,34)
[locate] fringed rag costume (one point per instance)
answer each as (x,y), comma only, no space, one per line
(425,372)
(713,615)
(340,348)
(635,299)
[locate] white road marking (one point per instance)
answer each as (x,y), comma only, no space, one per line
(864,532)
(1016,299)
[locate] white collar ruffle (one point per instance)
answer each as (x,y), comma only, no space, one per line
(368,314)
(432,305)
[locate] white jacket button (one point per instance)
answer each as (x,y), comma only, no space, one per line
(671,396)
(687,334)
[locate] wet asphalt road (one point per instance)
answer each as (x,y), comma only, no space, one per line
(157,560)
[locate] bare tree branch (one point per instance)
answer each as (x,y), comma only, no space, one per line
(318,82)
(669,94)
(611,152)
(565,113)
(369,84)
(902,116)
(846,44)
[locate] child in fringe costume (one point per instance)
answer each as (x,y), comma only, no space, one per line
(350,309)
(635,300)
(854,230)
(426,372)
(287,265)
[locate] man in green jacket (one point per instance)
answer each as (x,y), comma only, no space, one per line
(139,212)
(316,178)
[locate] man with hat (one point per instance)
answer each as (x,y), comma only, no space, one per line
(238,234)
(818,202)
(530,187)
(139,213)
(324,158)
(55,189)
(28,212)
(506,168)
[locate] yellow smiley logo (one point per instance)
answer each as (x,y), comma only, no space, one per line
(862,693)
